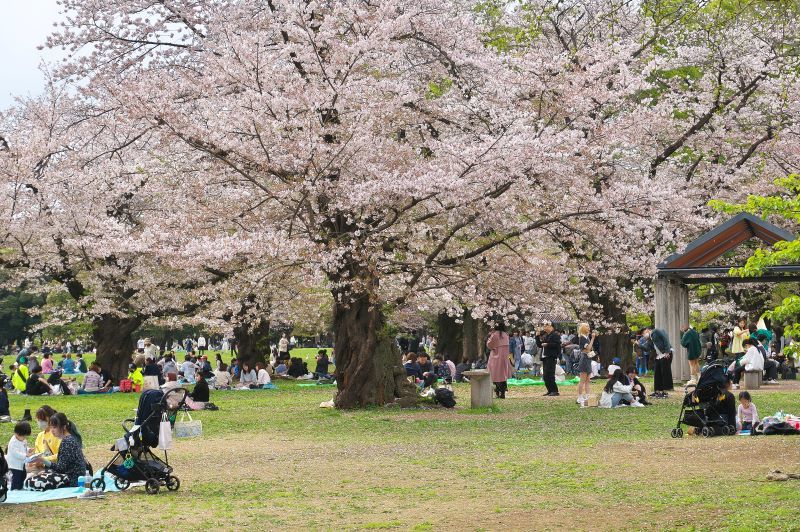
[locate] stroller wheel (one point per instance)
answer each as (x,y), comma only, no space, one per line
(98,484)
(706,432)
(3,495)
(677,432)
(151,486)
(173,483)
(122,483)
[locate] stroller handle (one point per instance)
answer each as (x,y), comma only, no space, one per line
(126,428)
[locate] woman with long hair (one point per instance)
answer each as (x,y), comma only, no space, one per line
(63,471)
(586,346)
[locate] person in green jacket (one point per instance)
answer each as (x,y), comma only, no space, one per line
(691,341)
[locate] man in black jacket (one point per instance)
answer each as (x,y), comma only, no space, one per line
(550,341)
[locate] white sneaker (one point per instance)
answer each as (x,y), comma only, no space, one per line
(772,381)
(579,400)
(637,404)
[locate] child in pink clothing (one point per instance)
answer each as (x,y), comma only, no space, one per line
(747,414)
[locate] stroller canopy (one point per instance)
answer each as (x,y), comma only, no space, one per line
(713,376)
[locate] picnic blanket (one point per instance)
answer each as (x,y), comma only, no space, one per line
(538,382)
(26,497)
(269,386)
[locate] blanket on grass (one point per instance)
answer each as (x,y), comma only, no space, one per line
(27,497)
(538,382)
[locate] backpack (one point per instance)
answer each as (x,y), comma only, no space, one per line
(445,397)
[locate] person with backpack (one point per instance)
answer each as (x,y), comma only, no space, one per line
(691,341)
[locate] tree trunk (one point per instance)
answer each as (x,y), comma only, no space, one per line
(615,344)
(368,365)
(253,342)
(113,337)
(471,338)
(450,340)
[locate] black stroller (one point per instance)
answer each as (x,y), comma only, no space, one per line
(3,480)
(134,460)
(700,408)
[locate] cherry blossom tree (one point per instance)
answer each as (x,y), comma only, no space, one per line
(405,152)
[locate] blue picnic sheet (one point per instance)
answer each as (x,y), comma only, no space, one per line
(26,497)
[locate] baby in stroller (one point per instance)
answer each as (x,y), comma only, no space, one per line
(134,460)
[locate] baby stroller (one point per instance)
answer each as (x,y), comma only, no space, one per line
(700,408)
(3,480)
(134,460)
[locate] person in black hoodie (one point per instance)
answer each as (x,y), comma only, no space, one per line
(201,393)
(321,371)
(151,369)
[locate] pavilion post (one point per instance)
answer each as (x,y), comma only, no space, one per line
(672,312)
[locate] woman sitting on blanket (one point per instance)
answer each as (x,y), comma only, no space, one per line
(223,379)
(46,443)
(93,382)
(247,376)
(201,392)
(64,470)
(263,378)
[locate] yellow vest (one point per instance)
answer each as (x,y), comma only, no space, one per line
(136,377)
(20,378)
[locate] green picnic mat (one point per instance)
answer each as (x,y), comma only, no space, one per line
(538,382)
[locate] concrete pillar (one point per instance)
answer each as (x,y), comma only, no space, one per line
(672,313)
(480,388)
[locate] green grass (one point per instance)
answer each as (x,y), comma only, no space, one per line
(275,459)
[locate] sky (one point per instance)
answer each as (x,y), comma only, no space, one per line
(24,25)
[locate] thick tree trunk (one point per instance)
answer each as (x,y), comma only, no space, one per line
(252,342)
(614,344)
(113,337)
(368,365)
(471,337)
(450,340)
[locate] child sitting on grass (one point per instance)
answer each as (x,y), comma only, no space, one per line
(747,414)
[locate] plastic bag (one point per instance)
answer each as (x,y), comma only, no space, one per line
(164,433)
(188,429)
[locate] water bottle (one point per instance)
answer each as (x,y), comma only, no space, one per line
(81,483)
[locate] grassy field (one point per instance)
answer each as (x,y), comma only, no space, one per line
(273,459)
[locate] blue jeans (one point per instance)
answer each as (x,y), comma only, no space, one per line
(641,365)
(617,397)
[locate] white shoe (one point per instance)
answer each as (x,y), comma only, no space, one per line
(772,381)
(579,400)
(637,404)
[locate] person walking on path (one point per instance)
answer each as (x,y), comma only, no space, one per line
(691,341)
(550,342)
(499,365)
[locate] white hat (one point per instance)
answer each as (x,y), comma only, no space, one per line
(612,368)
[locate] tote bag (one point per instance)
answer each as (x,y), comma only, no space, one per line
(164,433)
(188,428)
(150,382)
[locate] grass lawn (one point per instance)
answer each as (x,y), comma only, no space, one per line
(273,459)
